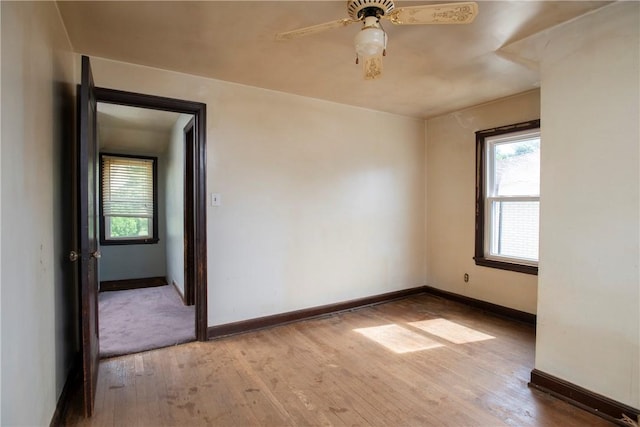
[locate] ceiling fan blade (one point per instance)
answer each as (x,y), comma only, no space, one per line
(450,13)
(301,32)
(372,67)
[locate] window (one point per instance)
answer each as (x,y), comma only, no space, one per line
(508,197)
(128,204)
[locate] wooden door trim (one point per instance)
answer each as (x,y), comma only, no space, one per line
(199,111)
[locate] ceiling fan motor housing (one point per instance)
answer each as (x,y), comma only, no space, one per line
(359,9)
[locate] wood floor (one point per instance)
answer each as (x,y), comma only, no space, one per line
(420,361)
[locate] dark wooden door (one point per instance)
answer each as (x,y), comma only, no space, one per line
(189,234)
(87,234)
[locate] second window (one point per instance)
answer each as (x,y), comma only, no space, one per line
(128,200)
(508,200)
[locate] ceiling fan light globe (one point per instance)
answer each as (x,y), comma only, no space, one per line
(370,42)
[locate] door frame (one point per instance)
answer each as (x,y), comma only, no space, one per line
(198,200)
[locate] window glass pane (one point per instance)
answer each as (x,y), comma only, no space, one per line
(127,186)
(514,229)
(516,168)
(127,227)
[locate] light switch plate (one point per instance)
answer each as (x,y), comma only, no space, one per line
(216,199)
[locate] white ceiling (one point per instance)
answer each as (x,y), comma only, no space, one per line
(428,70)
(123,129)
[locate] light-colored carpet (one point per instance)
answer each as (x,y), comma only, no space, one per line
(136,320)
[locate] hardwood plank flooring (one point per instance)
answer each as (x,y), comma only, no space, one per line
(419,361)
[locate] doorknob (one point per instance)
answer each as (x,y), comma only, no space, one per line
(96,255)
(73,256)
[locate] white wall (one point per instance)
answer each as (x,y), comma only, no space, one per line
(321,202)
(589,301)
(174,161)
(38,310)
(122,262)
(450,213)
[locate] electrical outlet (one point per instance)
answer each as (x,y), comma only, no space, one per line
(466,278)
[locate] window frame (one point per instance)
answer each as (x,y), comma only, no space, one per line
(154,223)
(481,215)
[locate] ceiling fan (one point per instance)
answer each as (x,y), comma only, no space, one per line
(371,40)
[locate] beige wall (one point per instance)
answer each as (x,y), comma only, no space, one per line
(589,300)
(321,202)
(38,296)
(450,195)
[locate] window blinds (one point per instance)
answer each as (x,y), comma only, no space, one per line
(127,187)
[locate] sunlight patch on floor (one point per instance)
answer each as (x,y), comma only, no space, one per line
(398,339)
(450,331)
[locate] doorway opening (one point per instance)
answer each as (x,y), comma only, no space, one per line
(181,203)
(146,244)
